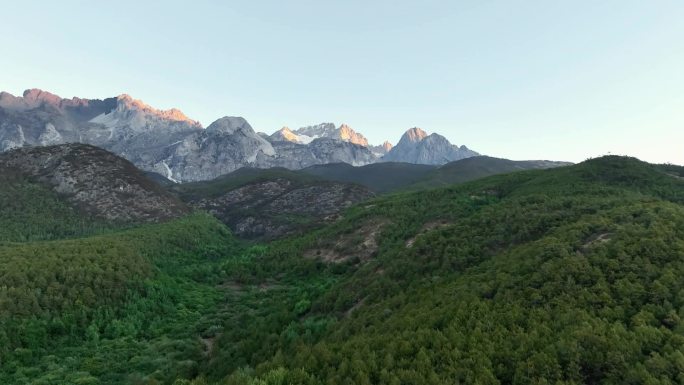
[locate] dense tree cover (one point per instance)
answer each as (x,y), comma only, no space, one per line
(476,167)
(381,177)
(31,211)
(112,306)
(571,275)
(238,178)
(672,169)
(568,305)
(568,276)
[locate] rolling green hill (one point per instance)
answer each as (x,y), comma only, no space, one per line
(101,308)
(477,167)
(81,295)
(570,275)
(238,178)
(391,177)
(672,169)
(267,204)
(379,177)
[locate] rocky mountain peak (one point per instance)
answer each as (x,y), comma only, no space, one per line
(345,131)
(10,101)
(285,134)
(317,129)
(230,125)
(347,134)
(435,138)
(381,149)
(413,135)
(305,135)
(126,102)
(416,146)
(34,95)
(171,144)
(34,98)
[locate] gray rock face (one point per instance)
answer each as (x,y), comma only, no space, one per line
(266,209)
(11,136)
(43,119)
(226,145)
(96,181)
(381,149)
(322,130)
(165,142)
(319,151)
(305,135)
(122,125)
(284,135)
(416,146)
(169,143)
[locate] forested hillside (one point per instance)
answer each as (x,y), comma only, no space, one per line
(379,177)
(573,275)
(388,177)
(570,275)
(477,167)
(33,211)
(99,309)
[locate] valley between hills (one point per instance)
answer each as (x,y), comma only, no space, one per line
(481,271)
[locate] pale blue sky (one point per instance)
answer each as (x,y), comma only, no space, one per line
(560,80)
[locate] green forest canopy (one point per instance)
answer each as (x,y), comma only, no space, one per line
(572,275)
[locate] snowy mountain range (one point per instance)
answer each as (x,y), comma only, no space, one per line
(181,149)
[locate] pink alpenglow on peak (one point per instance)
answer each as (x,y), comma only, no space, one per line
(415,134)
(128,102)
(417,147)
(348,134)
(305,135)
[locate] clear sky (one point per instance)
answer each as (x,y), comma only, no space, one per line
(562,80)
